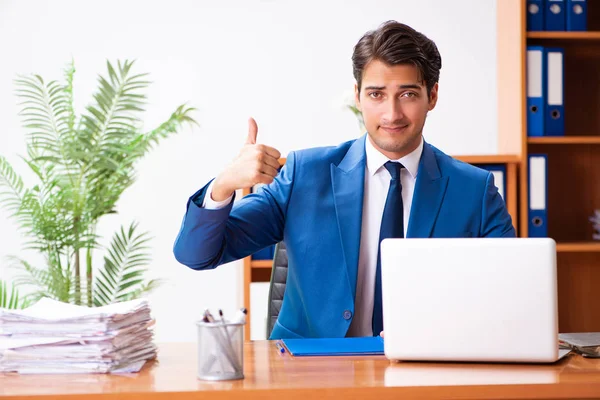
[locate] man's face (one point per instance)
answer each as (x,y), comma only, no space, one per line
(394,105)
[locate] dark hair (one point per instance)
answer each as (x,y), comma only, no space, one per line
(394,43)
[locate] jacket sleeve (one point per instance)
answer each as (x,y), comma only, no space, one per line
(495,219)
(209,238)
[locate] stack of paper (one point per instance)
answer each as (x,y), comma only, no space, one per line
(55,337)
(596,223)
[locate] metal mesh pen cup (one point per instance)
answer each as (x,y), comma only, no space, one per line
(220,351)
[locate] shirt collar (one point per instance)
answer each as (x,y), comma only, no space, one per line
(376,160)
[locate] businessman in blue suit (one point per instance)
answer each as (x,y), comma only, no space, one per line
(333,205)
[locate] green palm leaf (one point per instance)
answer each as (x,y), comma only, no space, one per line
(52,282)
(45,113)
(11,187)
(10,298)
(180,116)
(143,289)
(113,116)
(121,278)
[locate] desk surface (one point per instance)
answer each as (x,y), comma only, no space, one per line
(270,375)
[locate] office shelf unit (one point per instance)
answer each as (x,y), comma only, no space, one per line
(573,171)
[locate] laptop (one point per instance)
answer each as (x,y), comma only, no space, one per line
(478,300)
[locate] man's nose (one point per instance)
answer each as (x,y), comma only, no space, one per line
(393,111)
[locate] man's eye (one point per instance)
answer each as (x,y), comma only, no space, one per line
(409,94)
(375,95)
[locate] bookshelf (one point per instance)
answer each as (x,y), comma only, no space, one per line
(575,36)
(590,139)
(573,170)
(578,247)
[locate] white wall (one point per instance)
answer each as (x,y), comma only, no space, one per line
(287,63)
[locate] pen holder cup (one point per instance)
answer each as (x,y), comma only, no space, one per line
(220,351)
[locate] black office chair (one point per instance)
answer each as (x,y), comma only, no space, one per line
(277,285)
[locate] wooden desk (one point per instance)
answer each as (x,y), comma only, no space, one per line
(270,375)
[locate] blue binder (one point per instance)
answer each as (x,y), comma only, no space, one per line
(535,15)
(538,195)
(554,15)
(576,15)
(555,107)
(535,90)
(353,346)
(499,172)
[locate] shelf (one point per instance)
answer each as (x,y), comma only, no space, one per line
(261,264)
(564,140)
(578,247)
(491,159)
(564,35)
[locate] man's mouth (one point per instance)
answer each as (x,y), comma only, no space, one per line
(394,129)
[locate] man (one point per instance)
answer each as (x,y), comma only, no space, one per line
(332,206)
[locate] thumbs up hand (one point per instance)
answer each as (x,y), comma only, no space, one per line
(256,163)
(252,131)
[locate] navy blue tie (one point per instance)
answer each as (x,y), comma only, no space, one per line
(392,226)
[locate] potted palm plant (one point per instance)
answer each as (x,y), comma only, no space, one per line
(82,165)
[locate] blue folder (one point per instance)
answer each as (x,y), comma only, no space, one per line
(535,15)
(538,195)
(536,90)
(354,346)
(555,15)
(554,124)
(576,15)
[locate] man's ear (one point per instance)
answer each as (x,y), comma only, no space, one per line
(433,96)
(357,97)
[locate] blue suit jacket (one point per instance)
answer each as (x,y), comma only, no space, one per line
(315,206)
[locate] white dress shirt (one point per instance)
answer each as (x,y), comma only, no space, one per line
(210,204)
(377,183)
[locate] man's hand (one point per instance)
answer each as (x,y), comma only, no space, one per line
(381,334)
(256,163)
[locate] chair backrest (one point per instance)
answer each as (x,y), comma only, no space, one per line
(277,285)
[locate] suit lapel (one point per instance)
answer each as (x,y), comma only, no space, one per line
(348,182)
(430,188)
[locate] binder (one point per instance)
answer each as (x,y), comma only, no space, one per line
(576,15)
(554,15)
(353,346)
(555,108)
(499,172)
(538,195)
(535,15)
(535,90)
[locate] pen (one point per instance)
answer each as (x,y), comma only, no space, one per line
(208,316)
(280,347)
(221,341)
(232,354)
